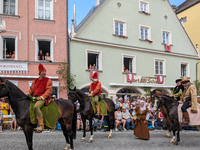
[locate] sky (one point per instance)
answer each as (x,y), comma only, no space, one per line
(84,6)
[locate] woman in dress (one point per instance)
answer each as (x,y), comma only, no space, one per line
(141,128)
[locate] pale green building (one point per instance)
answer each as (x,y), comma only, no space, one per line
(144,37)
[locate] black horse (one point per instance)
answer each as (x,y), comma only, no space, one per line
(171,106)
(20,104)
(87,112)
(155,93)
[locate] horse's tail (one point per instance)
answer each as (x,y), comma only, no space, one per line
(74,120)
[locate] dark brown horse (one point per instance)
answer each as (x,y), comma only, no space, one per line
(155,93)
(171,106)
(20,104)
(87,112)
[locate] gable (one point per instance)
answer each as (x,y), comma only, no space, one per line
(100,26)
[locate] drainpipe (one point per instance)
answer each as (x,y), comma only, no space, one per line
(68,51)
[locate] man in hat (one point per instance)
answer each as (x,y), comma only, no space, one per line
(177,92)
(95,90)
(42,89)
(189,99)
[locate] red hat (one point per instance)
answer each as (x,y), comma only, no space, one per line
(95,75)
(41,68)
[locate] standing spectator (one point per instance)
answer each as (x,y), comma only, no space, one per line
(117,103)
(126,116)
(54,97)
(94,67)
(4,108)
(13,55)
(118,117)
(125,104)
(1,120)
(90,67)
(141,128)
(40,55)
(47,57)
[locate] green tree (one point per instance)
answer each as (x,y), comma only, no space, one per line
(197,84)
(147,90)
(66,76)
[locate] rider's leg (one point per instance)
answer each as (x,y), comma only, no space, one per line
(39,115)
(185,113)
(96,99)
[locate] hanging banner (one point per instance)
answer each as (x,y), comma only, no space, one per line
(130,77)
(161,79)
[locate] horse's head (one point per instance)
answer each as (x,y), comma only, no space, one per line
(153,95)
(158,103)
(72,95)
(4,90)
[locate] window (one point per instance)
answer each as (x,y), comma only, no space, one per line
(9,48)
(9,7)
(94,60)
(159,67)
(166,37)
(44,50)
(44,9)
(144,33)
(129,63)
(185,69)
(144,6)
(119,28)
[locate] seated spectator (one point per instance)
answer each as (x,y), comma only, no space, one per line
(119,120)
(160,116)
(13,55)
(127,117)
(90,67)
(47,57)
(121,102)
(13,121)
(40,55)
(79,121)
(133,103)
(94,67)
(1,120)
(98,123)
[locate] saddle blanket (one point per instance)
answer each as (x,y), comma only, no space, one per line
(102,107)
(194,118)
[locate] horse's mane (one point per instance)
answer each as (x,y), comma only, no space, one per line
(13,86)
(170,98)
(81,94)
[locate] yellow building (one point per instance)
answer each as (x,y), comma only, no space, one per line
(189,15)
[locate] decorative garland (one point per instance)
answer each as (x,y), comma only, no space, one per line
(74,92)
(34,99)
(2,83)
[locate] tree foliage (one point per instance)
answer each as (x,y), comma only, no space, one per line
(147,90)
(197,84)
(66,76)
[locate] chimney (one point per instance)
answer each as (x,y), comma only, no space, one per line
(97,3)
(174,7)
(74,16)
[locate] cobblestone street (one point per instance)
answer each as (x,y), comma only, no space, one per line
(119,141)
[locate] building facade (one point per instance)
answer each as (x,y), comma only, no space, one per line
(26,27)
(187,13)
(135,46)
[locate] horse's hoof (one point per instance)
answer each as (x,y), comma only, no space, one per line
(82,140)
(176,143)
(109,137)
(90,141)
(171,141)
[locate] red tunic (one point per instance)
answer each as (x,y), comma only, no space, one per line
(96,88)
(41,88)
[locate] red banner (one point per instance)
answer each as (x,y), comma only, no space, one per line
(167,48)
(161,79)
(130,77)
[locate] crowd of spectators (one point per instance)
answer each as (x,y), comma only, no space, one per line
(41,56)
